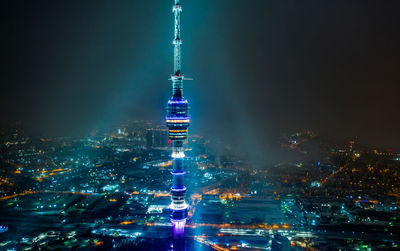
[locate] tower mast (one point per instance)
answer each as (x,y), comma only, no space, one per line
(177,9)
(178,121)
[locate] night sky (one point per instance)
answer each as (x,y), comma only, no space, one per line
(260,68)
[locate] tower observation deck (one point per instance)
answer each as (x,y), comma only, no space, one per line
(178,120)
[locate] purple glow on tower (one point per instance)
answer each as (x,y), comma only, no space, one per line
(178,228)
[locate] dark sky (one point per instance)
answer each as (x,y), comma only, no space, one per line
(260,68)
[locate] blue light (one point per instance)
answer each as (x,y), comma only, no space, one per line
(177,101)
(178,189)
(175,173)
(177,118)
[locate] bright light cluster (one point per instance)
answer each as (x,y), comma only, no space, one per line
(178,155)
(178,189)
(177,102)
(182,206)
(178,121)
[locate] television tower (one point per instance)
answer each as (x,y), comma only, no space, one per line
(178,120)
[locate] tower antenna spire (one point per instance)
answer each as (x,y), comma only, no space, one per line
(177,9)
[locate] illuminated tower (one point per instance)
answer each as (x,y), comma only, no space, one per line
(178,120)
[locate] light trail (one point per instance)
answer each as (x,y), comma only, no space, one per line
(28,192)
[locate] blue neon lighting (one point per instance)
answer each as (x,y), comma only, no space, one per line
(178,189)
(177,118)
(175,173)
(177,102)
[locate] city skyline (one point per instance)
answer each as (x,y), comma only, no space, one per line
(292,108)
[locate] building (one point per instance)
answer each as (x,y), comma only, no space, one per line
(177,121)
(156,138)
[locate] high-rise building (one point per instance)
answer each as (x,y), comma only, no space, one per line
(149,139)
(178,120)
(156,138)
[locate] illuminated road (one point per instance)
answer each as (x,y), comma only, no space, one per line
(28,192)
(323,182)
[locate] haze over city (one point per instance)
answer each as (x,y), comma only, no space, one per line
(259,67)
